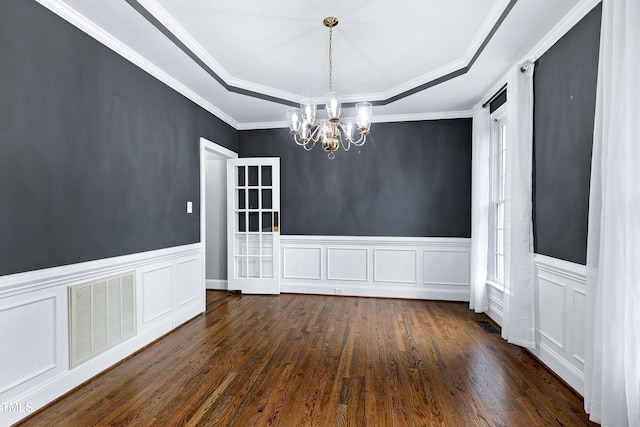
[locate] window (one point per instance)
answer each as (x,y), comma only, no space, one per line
(498,177)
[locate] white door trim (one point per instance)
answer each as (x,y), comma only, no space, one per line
(211,147)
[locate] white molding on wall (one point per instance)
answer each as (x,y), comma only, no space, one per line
(567,23)
(389,267)
(13,284)
(560,322)
(388,118)
(163,303)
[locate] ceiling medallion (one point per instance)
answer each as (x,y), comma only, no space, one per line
(307,133)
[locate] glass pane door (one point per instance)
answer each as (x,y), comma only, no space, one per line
(253,203)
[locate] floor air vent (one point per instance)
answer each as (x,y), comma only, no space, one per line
(488,327)
(101,314)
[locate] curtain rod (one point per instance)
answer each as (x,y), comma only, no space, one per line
(495,95)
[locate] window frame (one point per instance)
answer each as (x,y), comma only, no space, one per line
(499,132)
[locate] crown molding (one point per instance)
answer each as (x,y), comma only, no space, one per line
(196,48)
(391,118)
(76,19)
(567,23)
(563,27)
(445,115)
(263,125)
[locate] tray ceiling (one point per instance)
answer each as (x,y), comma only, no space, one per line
(247,61)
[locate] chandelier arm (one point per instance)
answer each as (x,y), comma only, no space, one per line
(315,134)
(309,145)
(344,147)
(360,142)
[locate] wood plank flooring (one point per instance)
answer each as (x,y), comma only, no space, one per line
(306,360)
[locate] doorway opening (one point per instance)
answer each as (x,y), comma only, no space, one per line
(213,212)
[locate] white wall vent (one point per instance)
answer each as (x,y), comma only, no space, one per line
(101,314)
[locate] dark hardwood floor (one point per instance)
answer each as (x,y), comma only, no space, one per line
(304,360)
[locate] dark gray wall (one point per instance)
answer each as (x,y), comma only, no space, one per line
(565,80)
(97,158)
(409,179)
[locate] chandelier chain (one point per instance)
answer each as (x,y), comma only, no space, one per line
(330,60)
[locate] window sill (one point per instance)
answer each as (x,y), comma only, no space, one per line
(495,285)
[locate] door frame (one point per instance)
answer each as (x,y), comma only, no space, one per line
(207,146)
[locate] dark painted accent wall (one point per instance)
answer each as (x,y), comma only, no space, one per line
(409,179)
(565,80)
(97,158)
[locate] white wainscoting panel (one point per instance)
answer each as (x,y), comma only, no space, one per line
(189,282)
(34,355)
(33,347)
(579,312)
(560,321)
(446,267)
(156,292)
(300,262)
(347,264)
(551,303)
(395,267)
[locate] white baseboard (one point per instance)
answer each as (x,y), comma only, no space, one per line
(495,296)
(219,285)
(346,289)
(559,364)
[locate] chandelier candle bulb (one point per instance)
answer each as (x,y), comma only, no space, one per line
(302,121)
(348,128)
(305,131)
(308,107)
(333,106)
(363,114)
(293,116)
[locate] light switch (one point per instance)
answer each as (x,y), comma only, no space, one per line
(189,207)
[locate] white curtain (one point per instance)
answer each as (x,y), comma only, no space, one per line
(518,321)
(612,357)
(480,191)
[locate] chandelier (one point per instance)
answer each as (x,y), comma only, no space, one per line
(333,132)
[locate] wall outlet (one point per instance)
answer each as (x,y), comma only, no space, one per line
(339,291)
(189,207)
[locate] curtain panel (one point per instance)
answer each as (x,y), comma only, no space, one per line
(612,353)
(518,322)
(480,204)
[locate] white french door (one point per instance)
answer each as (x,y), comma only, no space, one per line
(253,223)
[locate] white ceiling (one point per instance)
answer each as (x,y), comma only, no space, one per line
(277,49)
